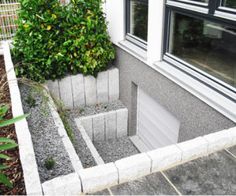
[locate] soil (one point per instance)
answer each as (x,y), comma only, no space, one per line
(14,172)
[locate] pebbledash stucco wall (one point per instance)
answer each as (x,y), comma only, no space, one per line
(196,117)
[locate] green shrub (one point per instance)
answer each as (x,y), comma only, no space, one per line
(49,163)
(53,40)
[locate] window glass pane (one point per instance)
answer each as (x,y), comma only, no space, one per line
(229,3)
(206,45)
(138,18)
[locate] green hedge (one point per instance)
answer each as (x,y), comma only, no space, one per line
(53,40)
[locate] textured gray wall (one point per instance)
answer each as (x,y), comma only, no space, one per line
(196,117)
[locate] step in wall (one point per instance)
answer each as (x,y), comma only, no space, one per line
(78,90)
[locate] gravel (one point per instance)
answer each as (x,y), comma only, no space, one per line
(113,150)
(98,108)
(46,140)
(80,146)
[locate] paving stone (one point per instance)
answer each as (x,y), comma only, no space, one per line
(90,90)
(211,175)
(154,184)
(133,167)
(122,122)
(98,127)
(110,125)
(78,90)
(165,157)
(113,84)
(99,177)
(66,92)
(194,148)
(102,87)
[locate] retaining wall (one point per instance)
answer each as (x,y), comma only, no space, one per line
(107,125)
(79,90)
(26,150)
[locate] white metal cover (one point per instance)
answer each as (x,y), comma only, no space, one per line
(156,127)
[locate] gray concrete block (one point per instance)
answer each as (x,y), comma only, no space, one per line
(87,123)
(102,87)
(53,87)
(164,158)
(78,90)
(90,90)
(110,125)
(113,84)
(98,127)
(66,92)
(133,167)
(193,149)
(99,177)
(122,122)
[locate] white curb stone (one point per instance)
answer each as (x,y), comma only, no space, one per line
(218,141)
(122,122)
(133,167)
(113,84)
(98,127)
(233,135)
(54,88)
(193,149)
(63,185)
(164,158)
(66,92)
(90,90)
(102,87)
(78,90)
(99,177)
(87,123)
(110,121)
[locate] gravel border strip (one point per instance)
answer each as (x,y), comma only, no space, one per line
(27,155)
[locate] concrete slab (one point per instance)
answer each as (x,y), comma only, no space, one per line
(110,125)
(102,87)
(212,175)
(90,90)
(66,92)
(113,84)
(98,127)
(78,90)
(154,184)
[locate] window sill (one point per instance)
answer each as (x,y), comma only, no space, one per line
(213,98)
(134,50)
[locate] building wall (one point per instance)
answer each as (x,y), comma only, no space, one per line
(196,117)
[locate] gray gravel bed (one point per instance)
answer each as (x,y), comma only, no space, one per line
(80,146)
(98,108)
(113,150)
(46,140)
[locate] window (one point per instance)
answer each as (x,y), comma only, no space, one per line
(203,42)
(137,21)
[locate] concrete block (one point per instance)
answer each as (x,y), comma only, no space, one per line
(113,84)
(218,141)
(164,158)
(98,127)
(87,123)
(53,87)
(90,90)
(233,135)
(193,149)
(99,177)
(122,122)
(110,124)
(102,87)
(63,185)
(133,167)
(66,92)
(78,90)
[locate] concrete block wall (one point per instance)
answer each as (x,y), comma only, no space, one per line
(78,90)
(107,125)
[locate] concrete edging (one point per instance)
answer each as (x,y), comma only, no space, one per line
(143,164)
(79,90)
(26,150)
(106,125)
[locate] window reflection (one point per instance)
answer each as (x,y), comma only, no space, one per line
(206,45)
(229,3)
